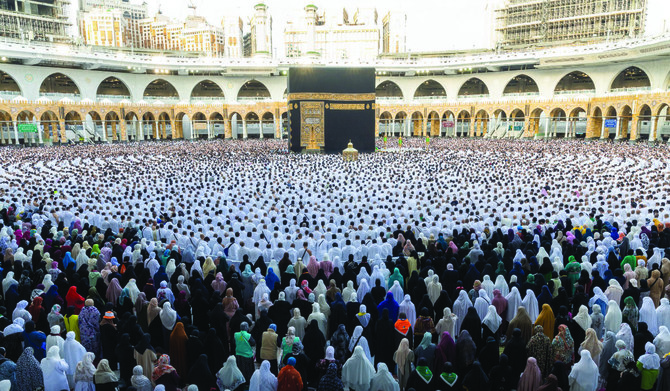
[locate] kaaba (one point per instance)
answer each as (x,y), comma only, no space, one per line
(328,107)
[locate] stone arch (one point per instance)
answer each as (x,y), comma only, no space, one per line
(662,132)
(386,123)
(50,125)
(217,125)
(433,124)
(58,85)
(430,89)
(267,125)
(521,85)
(165,126)
(625,119)
(160,90)
(8,86)
(463,124)
(481,123)
(253,90)
(149,126)
(537,122)
(402,124)
(644,127)
(113,89)
(473,88)
(575,82)
(388,90)
(236,124)
(206,91)
(449,123)
(6,127)
(133,128)
(630,78)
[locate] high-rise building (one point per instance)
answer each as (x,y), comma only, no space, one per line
(261,31)
(39,20)
(233,35)
(336,35)
(394,32)
(193,34)
(552,22)
(111,22)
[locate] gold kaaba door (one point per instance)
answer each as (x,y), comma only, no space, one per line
(312,125)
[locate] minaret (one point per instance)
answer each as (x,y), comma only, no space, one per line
(310,21)
(261,27)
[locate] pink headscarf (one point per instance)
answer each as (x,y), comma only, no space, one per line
(531,378)
(313,266)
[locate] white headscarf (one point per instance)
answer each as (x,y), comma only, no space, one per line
(598,294)
(662,341)
(358,340)
(168,316)
(15,327)
(54,370)
(461,306)
(530,303)
(54,339)
(383,380)
(363,289)
(501,285)
(663,313)
(396,289)
(447,323)
(648,315)
(492,320)
(133,290)
(614,291)
(585,372)
(357,372)
(263,379)
(625,334)
(614,317)
(513,302)
(650,359)
(8,281)
(408,308)
(583,319)
(230,375)
(434,288)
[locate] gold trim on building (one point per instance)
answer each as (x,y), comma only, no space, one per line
(330,96)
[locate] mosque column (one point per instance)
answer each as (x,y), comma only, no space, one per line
(39,133)
(16,132)
(275,125)
(140,130)
(602,128)
(228,130)
(62,137)
(209,130)
(654,125)
(260,126)
(244,129)
(634,128)
(617,128)
(124,131)
(546,126)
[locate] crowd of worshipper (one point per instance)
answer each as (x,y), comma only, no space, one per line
(456,264)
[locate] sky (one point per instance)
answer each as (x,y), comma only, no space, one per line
(432,25)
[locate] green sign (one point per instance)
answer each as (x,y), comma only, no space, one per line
(518,127)
(27,128)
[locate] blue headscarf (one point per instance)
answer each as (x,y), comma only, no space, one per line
(67,259)
(391,305)
(271,278)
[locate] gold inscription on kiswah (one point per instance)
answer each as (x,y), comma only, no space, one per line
(347,106)
(330,96)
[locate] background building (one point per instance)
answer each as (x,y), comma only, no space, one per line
(342,35)
(233,34)
(394,33)
(545,23)
(193,35)
(261,31)
(38,20)
(111,22)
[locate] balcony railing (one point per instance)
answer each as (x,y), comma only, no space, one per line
(575,92)
(520,94)
(113,98)
(631,89)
